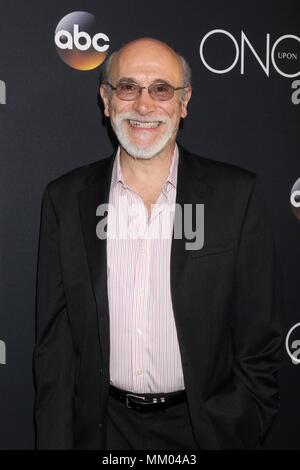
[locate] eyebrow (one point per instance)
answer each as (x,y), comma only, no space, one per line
(133,80)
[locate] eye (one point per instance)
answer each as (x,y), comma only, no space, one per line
(161,88)
(127,87)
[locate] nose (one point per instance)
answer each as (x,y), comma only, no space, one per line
(144,104)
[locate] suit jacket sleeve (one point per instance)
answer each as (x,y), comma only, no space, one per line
(257,321)
(54,362)
(245,407)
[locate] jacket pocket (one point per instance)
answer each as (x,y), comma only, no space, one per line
(213,249)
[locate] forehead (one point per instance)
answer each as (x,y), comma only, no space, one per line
(147,62)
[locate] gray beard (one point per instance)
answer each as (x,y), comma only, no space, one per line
(143,152)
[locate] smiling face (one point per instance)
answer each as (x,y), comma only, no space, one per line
(146,127)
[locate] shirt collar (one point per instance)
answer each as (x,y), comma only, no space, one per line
(117,176)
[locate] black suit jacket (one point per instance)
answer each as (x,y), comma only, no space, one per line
(226,300)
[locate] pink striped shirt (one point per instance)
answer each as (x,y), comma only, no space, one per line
(144,350)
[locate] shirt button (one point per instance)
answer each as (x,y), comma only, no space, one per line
(139,371)
(139,331)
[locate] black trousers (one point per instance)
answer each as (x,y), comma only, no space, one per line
(166,429)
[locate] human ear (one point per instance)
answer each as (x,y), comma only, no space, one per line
(105,99)
(185,100)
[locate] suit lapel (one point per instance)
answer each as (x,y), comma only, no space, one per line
(89,199)
(191,189)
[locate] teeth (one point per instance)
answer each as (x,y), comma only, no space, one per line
(148,124)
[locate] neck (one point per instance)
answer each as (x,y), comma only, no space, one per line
(147,171)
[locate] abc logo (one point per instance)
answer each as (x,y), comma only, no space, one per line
(2,352)
(293,344)
(79,42)
(2,92)
(295,199)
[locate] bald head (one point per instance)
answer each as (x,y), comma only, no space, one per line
(154,52)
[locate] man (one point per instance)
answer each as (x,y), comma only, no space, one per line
(144,342)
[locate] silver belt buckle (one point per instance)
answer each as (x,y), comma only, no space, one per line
(154,400)
(131,395)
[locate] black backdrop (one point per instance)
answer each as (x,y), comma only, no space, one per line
(50,122)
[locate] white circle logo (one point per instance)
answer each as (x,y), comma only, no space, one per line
(295,199)
(78,41)
(295,345)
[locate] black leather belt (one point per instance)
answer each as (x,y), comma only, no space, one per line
(145,402)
